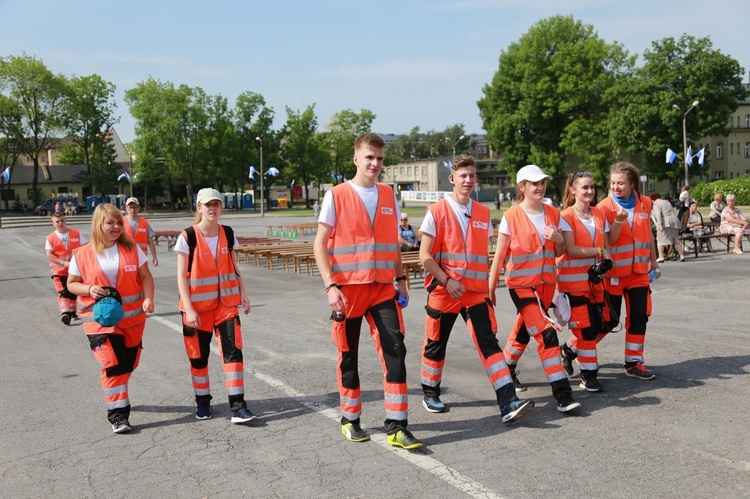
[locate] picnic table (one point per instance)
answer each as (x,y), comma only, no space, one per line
(168,235)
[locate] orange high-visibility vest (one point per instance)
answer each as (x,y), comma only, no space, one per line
(572,273)
(529,262)
(361,251)
(141,233)
(631,253)
(61,252)
(128,285)
(212,279)
(466,262)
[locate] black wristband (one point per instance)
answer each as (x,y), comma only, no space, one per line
(330,286)
(401,278)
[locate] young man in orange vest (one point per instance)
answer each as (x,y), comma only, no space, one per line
(59,246)
(139,229)
(454,252)
(358,255)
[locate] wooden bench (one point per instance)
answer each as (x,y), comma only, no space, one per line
(168,235)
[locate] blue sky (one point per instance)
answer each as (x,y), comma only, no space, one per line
(413,63)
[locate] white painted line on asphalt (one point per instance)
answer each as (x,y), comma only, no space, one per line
(433,466)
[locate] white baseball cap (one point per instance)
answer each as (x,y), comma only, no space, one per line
(132,200)
(208,194)
(532,173)
(404,216)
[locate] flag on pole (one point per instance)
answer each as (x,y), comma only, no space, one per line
(447,164)
(273,171)
(671,155)
(252,173)
(701,156)
(689,156)
(122,176)
(6,175)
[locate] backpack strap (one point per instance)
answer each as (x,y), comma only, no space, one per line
(230,236)
(192,241)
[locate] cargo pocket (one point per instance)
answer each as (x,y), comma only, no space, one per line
(432,323)
(491,313)
(579,317)
(103,351)
(338,333)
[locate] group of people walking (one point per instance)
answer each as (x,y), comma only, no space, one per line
(592,255)
(111,280)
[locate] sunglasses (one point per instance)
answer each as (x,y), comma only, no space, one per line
(579,174)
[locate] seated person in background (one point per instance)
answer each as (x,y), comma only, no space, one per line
(717,206)
(407,236)
(733,222)
(693,220)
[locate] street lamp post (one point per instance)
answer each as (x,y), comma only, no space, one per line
(414,165)
(684,138)
(454,145)
(262,209)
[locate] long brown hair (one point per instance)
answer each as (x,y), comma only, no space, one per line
(97,235)
(569,198)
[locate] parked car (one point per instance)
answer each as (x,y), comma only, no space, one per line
(48,206)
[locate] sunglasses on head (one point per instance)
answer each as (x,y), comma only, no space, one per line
(578,174)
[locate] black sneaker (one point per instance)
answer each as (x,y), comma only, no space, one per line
(517,384)
(566,403)
(121,426)
(403,438)
(567,356)
(354,433)
(513,411)
(591,385)
(65,319)
(203,411)
(242,415)
(433,404)
(639,371)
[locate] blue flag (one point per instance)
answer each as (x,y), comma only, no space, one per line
(447,164)
(689,156)
(701,156)
(6,175)
(252,173)
(671,155)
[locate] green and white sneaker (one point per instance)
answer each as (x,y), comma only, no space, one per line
(354,433)
(403,438)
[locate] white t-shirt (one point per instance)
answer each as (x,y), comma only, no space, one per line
(181,246)
(539,223)
(369,197)
(463,215)
(590,225)
(109,261)
(64,238)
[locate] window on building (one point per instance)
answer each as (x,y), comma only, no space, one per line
(63,190)
(719,174)
(731,148)
(401,171)
(731,175)
(408,170)
(747,120)
(747,173)
(424,171)
(650,186)
(747,150)
(719,150)
(8,195)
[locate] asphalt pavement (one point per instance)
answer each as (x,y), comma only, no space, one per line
(683,434)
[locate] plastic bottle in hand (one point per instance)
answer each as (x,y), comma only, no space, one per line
(654,275)
(401,299)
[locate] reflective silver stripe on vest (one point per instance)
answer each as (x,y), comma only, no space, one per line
(362,248)
(557,376)
(523,272)
(640,245)
(549,269)
(133,313)
(468,257)
(206,281)
(204,296)
(572,277)
(578,262)
(229,291)
(348,401)
(642,259)
(132,298)
(622,263)
(614,250)
(516,259)
(366,265)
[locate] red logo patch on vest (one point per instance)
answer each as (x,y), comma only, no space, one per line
(131,268)
(386,211)
(479,225)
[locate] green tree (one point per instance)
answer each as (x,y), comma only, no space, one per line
(38,94)
(87,113)
(547,100)
(253,120)
(10,143)
(339,138)
(304,150)
(676,73)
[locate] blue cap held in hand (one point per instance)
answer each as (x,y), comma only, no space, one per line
(108,309)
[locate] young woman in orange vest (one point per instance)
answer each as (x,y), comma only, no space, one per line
(585,246)
(634,256)
(59,247)
(113,260)
(211,290)
(529,235)
(359,258)
(455,235)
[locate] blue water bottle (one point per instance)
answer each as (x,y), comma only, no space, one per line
(401,299)
(654,275)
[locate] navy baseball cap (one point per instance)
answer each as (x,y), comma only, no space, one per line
(108,309)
